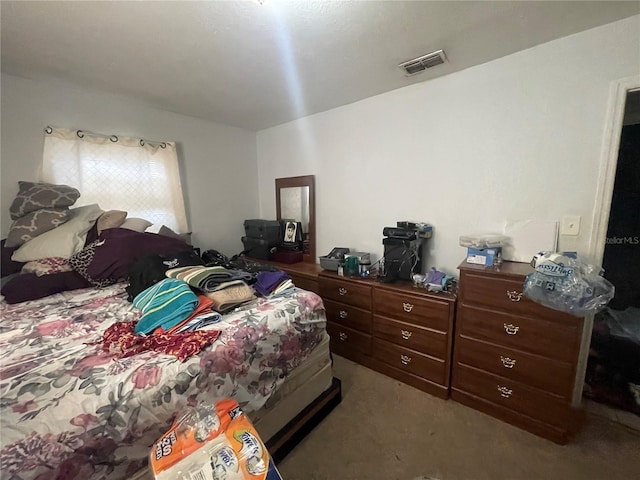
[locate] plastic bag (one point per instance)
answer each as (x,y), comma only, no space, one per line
(212,442)
(487,240)
(563,282)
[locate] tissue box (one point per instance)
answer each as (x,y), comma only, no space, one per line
(484,256)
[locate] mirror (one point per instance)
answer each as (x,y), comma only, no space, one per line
(295,200)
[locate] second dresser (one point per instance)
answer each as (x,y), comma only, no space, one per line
(397,329)
(513,358)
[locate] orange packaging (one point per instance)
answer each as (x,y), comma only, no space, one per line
(216,442)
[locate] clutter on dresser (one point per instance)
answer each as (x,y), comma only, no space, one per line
(484,249)
(562,281)
(334,258)
(402,249)
(435,281)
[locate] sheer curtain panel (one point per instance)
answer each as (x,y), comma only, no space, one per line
(118,173)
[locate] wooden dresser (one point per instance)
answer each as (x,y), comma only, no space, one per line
(513,358)
(397,329)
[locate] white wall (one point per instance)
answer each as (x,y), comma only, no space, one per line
(516,138)
(217,162)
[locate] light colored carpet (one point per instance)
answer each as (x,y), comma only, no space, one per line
(384,429)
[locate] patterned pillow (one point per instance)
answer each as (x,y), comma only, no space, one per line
(36,196)
(81,261)
(35,223)
(47,266)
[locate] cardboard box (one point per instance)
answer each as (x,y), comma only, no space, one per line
(484,256)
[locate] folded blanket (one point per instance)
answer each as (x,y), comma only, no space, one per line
(204,308)
(164,304)
(200,321)
(267,282)
(207,279)
(232,296)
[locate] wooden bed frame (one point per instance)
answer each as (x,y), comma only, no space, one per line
(293,432)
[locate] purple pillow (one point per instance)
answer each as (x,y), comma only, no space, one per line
(119,247)
(8,266)
(29,286)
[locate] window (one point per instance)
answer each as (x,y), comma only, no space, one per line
(118,173)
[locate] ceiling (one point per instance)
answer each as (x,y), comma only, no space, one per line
(254,65)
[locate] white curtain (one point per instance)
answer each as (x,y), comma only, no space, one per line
(118,173)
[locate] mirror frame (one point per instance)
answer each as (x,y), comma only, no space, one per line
(302,181)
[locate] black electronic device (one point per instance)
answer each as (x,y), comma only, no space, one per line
(401,258)
(407,225)
(400,233)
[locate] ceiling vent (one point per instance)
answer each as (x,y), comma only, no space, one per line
(420,64)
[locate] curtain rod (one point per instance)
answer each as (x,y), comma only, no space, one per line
(114,138)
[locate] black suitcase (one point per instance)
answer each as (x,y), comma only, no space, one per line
(259,248)
(269,230)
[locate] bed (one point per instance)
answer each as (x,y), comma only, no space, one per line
(70,409)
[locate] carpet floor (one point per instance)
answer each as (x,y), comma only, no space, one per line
(384,429)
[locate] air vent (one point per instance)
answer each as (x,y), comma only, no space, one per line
(420,64)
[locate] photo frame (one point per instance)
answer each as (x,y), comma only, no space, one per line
(290,232)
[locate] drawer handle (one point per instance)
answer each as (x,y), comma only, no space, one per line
(343,336)
(342,291)
(507,362)
(407,307)
(514,296)
(406,334)
(343,314)
(511,329)
(405,359)
(504,391)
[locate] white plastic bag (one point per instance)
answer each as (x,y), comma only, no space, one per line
(563,282)
(212,442)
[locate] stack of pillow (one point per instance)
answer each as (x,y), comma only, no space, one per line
(55,248)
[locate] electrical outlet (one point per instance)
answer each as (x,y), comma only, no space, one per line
(570,225)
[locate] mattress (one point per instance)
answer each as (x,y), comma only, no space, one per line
(88,411)
(299,389)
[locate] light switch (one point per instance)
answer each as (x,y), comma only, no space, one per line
(570,225)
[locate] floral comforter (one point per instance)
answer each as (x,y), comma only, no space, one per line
(70,410)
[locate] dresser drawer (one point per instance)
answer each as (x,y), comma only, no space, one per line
(506,294)
(346,292)
(411,336)
(409,361)
(549,375)
(511,394)
(412,309)
(305,283)
(348,338)
(348,316)
(541,337)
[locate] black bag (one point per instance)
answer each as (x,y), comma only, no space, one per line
(149,270)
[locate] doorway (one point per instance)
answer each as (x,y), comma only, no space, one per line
(613,367)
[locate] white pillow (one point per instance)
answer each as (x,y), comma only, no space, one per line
(62,241)
(136,224)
